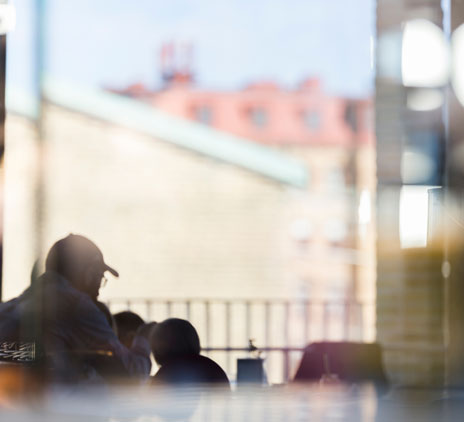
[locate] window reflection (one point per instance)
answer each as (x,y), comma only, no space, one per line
(221,180)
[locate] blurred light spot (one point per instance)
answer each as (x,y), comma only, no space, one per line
(364,210)
(425,55)
(416,167)
(422,99)
(457,51)
(446,269)
(7,18)
(413,216)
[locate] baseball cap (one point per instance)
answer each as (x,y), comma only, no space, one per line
(76,249)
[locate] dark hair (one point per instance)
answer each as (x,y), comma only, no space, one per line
(128,321)
(174,338)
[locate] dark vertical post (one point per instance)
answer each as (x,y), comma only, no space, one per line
(207,323)
(2,140)
(453,267)
(228,322)
(287,341)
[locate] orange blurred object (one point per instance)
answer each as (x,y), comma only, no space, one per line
(17,383)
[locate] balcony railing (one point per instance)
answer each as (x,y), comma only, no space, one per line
(279,328)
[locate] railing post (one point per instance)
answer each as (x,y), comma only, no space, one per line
(228,324)
(248,320)
(325,323)
(286,364)
(347,320)
(361,320)
(148,309)
(305,322)
(267,320)
(351,320)
(287,324)
(188,310)
(207,324)
(286,340)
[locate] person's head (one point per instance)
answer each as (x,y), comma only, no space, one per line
(80,261)
(174,338)
(127,323)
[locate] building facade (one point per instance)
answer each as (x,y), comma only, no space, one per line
(331,224)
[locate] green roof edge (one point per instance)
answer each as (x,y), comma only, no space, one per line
(142,117)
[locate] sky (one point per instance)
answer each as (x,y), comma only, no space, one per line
(116,43)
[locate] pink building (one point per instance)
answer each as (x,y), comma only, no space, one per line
(265,112)
(329,222)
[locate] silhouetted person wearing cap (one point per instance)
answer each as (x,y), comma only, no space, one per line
(59,313)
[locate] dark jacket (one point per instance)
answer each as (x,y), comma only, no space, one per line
(67,323)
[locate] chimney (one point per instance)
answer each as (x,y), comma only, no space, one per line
(176,64)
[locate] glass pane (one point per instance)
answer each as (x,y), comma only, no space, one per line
(220,154)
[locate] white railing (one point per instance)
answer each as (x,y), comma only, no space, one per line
(279,328)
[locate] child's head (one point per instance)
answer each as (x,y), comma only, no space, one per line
(127,323)
(174,338)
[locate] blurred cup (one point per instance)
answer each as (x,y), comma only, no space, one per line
(250,371)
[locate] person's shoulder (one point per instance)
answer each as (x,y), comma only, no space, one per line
(67,297)
(206,360)
(4,306)
(191,369)
(214,370)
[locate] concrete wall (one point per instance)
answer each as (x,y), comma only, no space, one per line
(177,224)
(174,223)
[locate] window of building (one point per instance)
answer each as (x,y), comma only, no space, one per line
(312,119)
(369,120)
(335,179)
(336,231)
(301,230)
(351,117)
(259,117)
(204,114)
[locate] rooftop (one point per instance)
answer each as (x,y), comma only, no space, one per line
(142,117)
